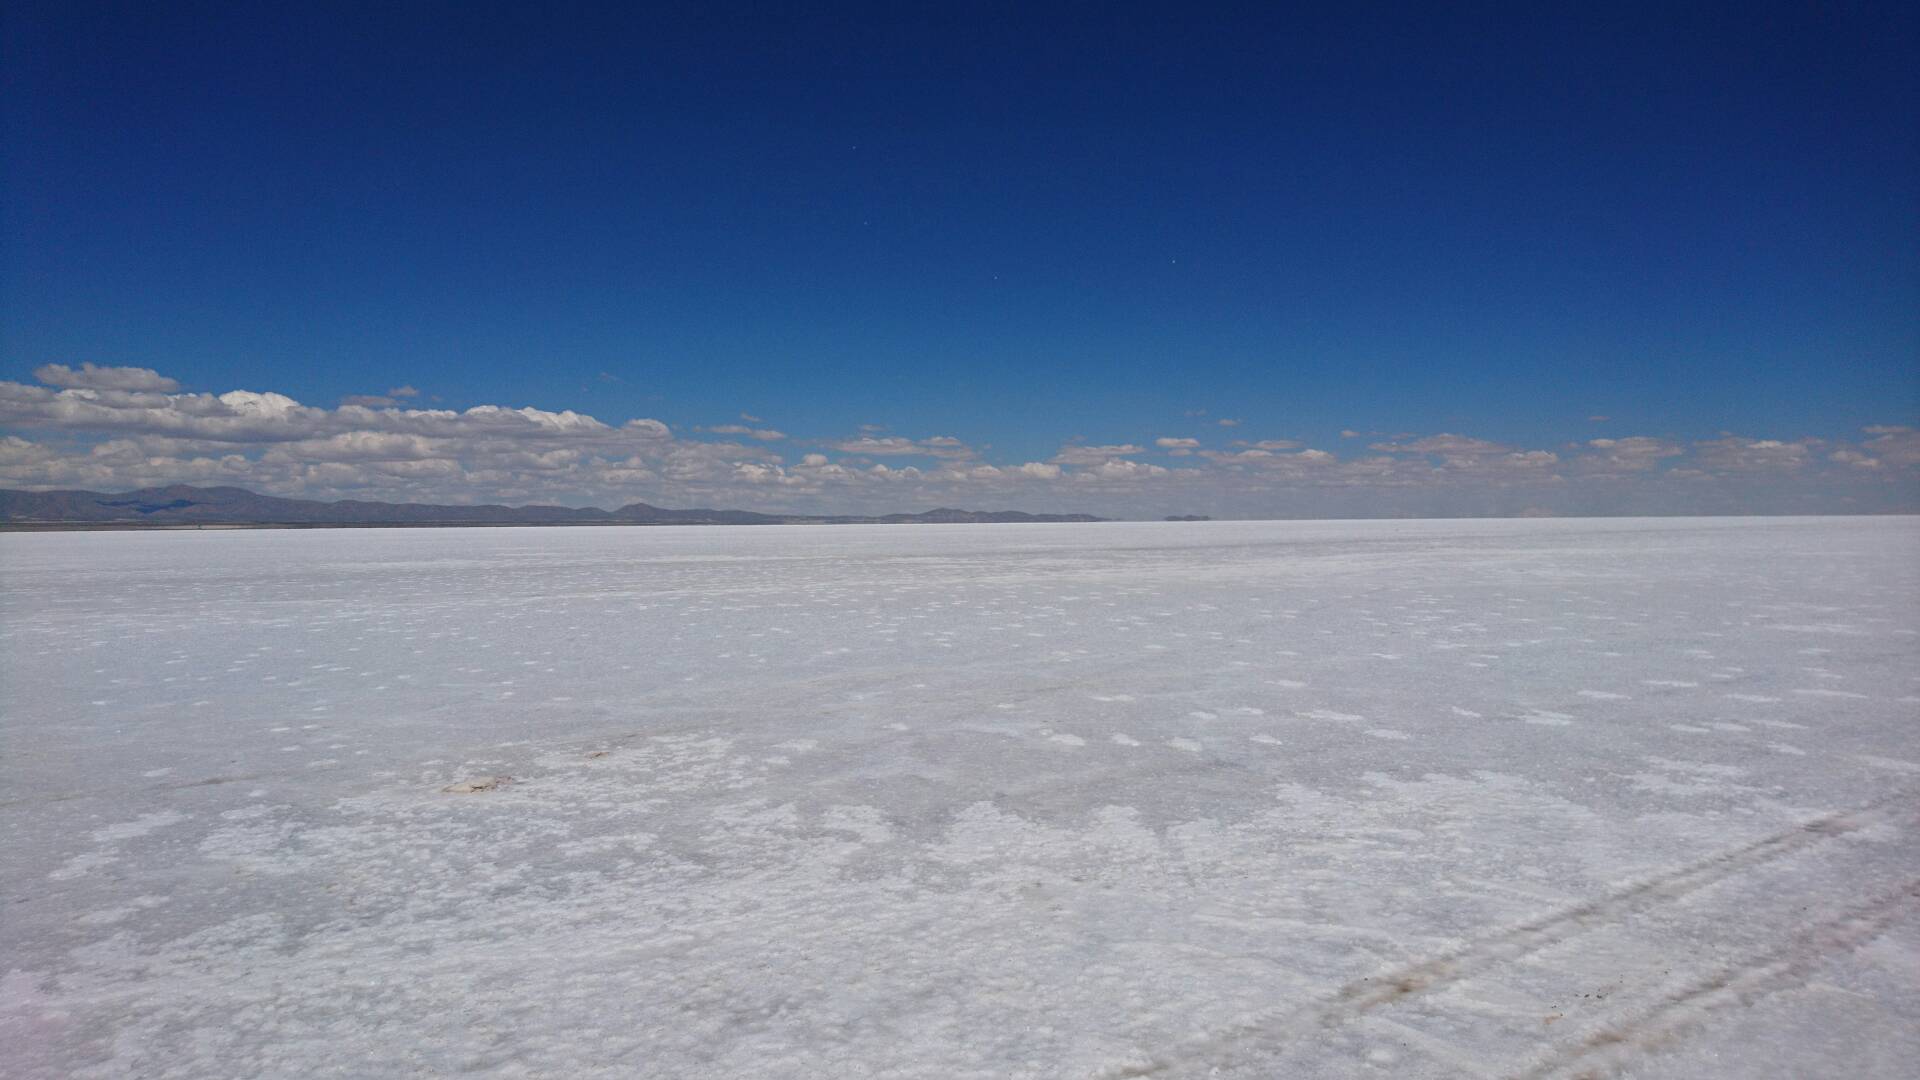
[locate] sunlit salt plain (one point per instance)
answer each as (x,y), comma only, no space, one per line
(1477,798)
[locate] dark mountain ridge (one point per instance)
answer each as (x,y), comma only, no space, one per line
(181,505)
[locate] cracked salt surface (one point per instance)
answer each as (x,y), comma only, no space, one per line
(1478,798)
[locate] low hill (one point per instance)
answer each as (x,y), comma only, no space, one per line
(183,505)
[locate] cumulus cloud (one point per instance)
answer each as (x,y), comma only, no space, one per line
(939,446)
(754,472)
(358,446)
(1739,454)
(1122,469)
(647,429)
(392,397)
(274,442)
(1631,454)
(1444,445)
(16,451)
(1077,454)
(868,445)
(1272,462)
(1529,459)
(106,429)
(91,376)
(1462,453)
(1894,445)
(763,434)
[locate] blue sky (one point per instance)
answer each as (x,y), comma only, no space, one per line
(1021,229)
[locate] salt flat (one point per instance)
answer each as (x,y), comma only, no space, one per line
(1467,798)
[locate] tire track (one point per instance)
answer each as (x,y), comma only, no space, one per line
(1362,996)
(1609,1046)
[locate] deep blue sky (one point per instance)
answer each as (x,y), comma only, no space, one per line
(1010,226)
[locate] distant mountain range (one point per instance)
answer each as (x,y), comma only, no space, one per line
(181,505)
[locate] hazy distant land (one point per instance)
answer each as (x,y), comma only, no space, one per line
(181,505)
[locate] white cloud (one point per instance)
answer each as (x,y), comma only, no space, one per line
(1529,459)
(93,377)
(1077,454)
(1739,454)
(1122,469)
(1465,454)
(1895,445)
(753,472)
(1629,454)
(15,451)
(358,446)
(392,397)
(134,434)
(1271,461)
(873,446)
(939,446)
(250,403)
(1443,444)
(763,434)
(564,421)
